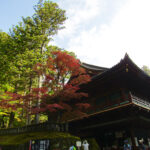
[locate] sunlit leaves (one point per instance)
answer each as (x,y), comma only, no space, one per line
(62,77)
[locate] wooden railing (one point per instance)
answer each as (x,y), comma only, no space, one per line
(36,128)
(141,102)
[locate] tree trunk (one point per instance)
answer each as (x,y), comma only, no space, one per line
(39,85)
(2,124)
(38,101)
(11,119)
(28,121)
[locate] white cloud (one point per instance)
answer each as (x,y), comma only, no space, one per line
(105,42)
(79,13)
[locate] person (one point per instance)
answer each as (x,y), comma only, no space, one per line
(72,148)
(126,145)
(141,144)
(85,145)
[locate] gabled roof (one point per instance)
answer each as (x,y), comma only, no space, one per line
(127,65)
(125,74)
(93,67)
(93,70)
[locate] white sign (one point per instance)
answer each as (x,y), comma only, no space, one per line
(78,143)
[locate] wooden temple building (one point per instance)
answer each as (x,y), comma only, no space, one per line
(121,99)
(120,110)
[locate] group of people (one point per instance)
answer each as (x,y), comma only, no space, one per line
(126,146)
(141,146)
(85,146)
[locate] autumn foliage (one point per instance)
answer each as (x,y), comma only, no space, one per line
(60,94)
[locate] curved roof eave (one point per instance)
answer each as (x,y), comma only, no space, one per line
(93,67)
(126,62)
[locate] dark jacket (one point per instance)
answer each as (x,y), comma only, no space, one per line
(142,147)
(127,147)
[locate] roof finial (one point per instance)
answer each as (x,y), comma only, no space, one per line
(126,54)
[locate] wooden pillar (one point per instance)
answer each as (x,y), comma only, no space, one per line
(132,124)
(132,138)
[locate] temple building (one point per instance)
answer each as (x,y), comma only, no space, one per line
(120,110)
(120,105)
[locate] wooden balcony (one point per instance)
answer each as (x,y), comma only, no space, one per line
(117,100)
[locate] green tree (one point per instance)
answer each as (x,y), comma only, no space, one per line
(27,44)
(32,35)
(6,56)
(146,69)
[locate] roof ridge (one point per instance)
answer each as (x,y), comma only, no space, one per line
(90,66)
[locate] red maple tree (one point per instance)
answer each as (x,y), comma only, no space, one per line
(60,96)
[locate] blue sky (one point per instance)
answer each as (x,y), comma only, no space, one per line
(11,12)
(100,32)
